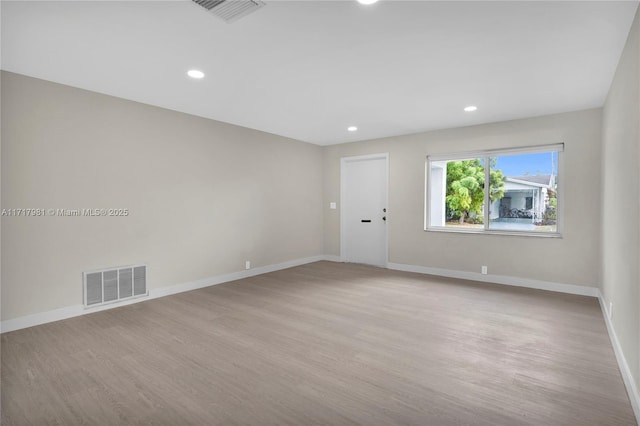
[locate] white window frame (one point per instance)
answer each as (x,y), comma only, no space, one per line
(486,154)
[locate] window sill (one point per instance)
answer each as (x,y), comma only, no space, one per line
(496,232)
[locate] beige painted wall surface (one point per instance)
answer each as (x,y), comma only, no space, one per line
(574,259)
(621,200)
(204,196)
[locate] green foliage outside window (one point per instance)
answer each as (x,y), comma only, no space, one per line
(465,188)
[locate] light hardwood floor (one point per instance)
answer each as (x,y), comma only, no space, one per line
(323,344)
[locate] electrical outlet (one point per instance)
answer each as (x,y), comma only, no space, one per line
(332,206)
(484,270)
(610,309)
(247,264)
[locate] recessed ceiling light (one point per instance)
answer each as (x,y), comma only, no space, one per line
(195,73)
(367,1)
(471,108)
(352,128)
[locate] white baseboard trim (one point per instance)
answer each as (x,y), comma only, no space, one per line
(219,279)
(77,310)
(332,258)
(630,384)
(498,279)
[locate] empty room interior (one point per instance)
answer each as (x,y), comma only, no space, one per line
(352,212)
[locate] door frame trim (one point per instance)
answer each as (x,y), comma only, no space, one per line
(343,191)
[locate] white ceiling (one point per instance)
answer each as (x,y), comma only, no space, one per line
(309,69)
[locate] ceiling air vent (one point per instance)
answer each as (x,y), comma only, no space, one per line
(230,10)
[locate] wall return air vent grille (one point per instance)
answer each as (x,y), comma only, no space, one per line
(115,284)
(230,10)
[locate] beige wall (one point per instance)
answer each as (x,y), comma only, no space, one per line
(621,200)
(574,259)
(204,196)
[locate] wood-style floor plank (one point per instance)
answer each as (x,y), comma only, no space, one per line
(322,344)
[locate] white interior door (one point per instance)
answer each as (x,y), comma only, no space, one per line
(364,209)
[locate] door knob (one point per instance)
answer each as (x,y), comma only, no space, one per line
(384,218)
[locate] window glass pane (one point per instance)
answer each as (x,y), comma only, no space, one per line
(457,193)
(524,192)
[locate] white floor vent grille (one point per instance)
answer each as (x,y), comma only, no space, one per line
(114,284)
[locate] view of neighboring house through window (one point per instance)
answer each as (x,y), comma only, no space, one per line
(521,197)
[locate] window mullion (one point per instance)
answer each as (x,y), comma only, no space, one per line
(487,201)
